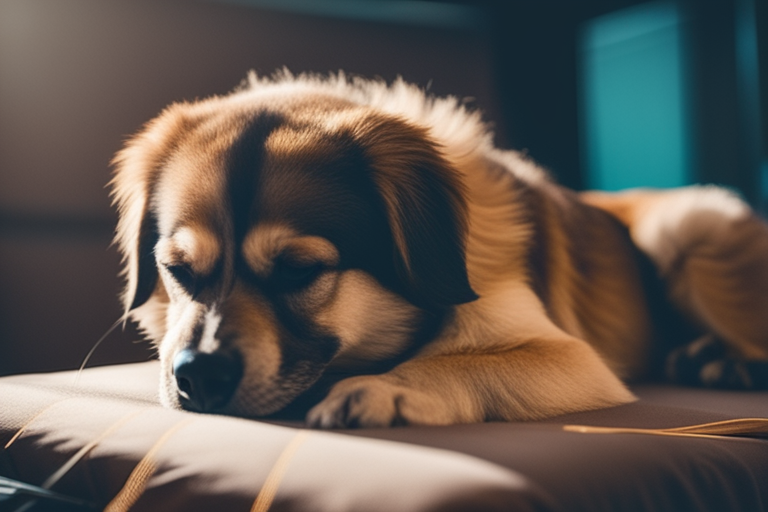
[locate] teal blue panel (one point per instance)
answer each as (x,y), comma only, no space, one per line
(633,111)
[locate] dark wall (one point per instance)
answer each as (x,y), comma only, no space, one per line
(536,57)
(535,45)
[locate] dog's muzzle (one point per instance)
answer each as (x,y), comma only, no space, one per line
(206,381)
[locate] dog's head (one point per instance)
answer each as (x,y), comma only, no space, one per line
(276,233)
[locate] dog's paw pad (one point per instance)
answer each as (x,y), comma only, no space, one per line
(684,365)
(706,363)
(735,374)
(725,374)
(370,402)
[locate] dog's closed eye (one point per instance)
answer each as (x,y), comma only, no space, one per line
(288,274)
(184,276)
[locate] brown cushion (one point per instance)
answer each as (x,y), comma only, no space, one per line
(148,458)
(145,457)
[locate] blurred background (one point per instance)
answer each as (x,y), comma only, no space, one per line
(605,93)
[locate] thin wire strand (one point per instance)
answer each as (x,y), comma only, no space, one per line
(64,469)
(119,321)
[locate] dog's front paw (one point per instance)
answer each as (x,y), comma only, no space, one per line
(372,401)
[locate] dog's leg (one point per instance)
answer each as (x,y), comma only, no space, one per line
(712,251)
(536,379)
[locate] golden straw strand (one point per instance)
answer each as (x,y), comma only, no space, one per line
(137,480)
(31,420)
(269,489)
(714,430)
(82,452)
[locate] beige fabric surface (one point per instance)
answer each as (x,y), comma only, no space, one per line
(139,456)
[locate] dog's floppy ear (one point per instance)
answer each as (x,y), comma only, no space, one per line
(136,167)
(423,197)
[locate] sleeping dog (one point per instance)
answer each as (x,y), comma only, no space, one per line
(366,240)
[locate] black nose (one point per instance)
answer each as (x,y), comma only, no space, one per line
(206,382)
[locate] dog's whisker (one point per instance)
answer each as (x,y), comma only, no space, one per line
(87,358)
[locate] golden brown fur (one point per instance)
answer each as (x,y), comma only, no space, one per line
(305,228)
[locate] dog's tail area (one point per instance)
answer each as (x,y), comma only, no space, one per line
(711,250)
